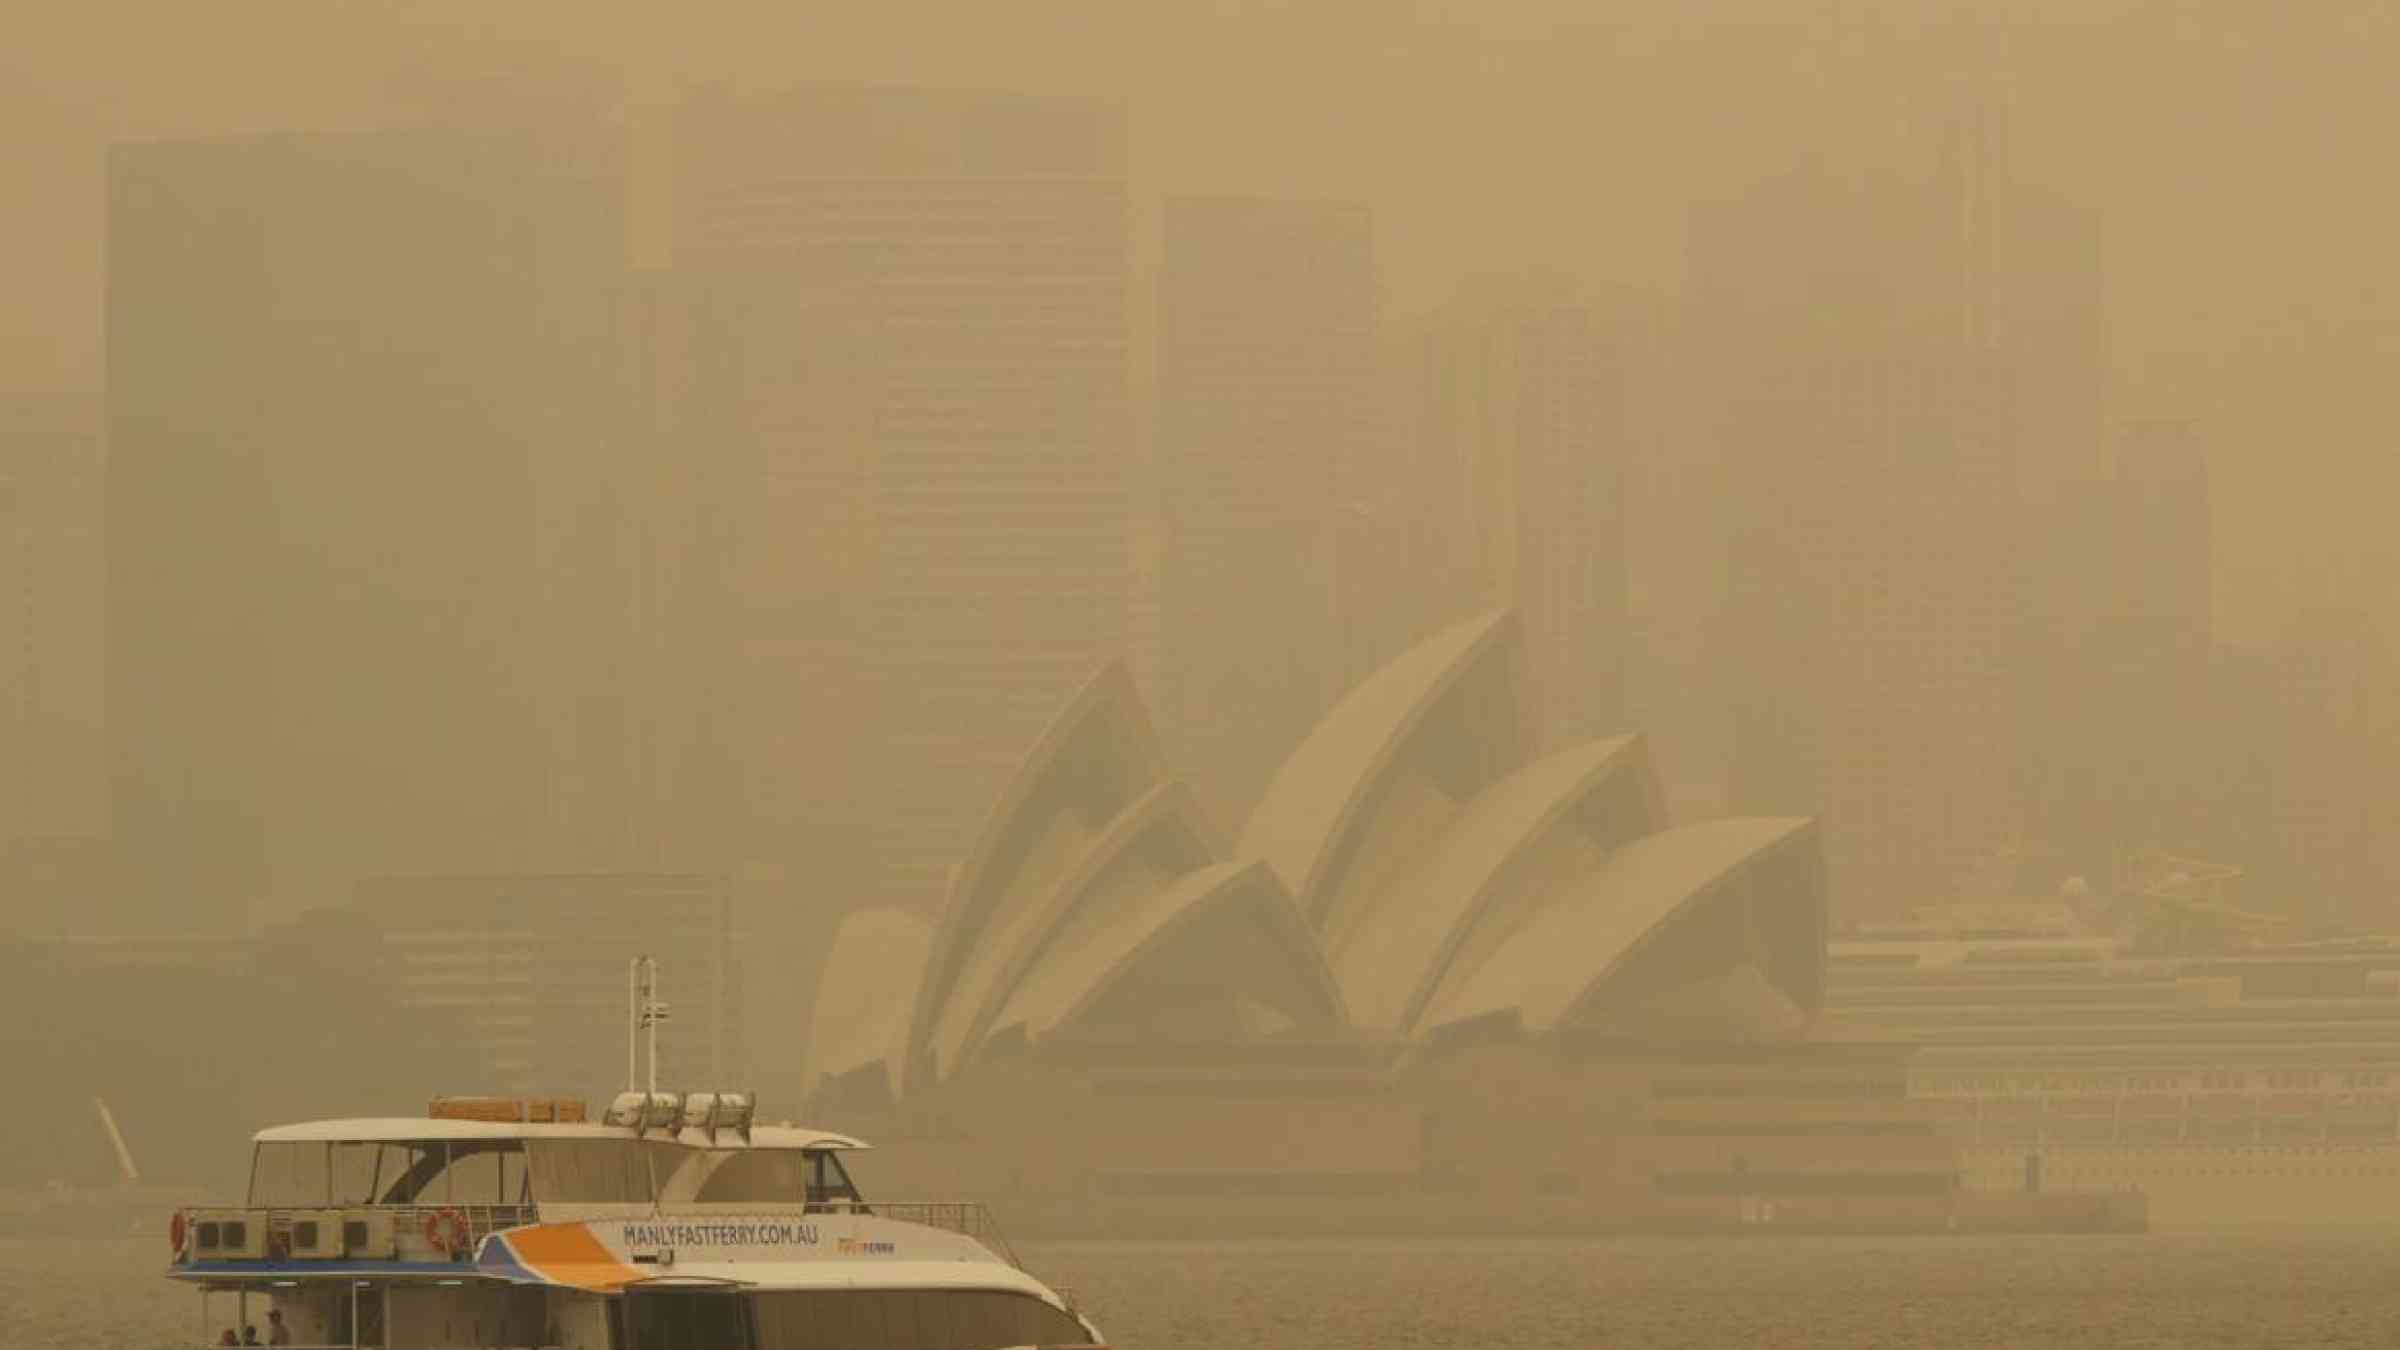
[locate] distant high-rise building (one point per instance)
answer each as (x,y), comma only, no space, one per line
(1871,616)
(1864,415)
(1883,349)
(534,969)
(1526,403)
(1266,381)
(50,638)
(365,436)
(1398,524)
(2122,720)
(2172,558)
(2049,327)
(2333,765)
(1675,554)
(909,368)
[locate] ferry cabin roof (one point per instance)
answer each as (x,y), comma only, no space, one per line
(399,1129)
(406,1161)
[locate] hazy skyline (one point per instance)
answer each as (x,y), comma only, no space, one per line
(1423,620)
(2228,155)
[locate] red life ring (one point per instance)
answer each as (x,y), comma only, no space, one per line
(446,1229)
(176,1232)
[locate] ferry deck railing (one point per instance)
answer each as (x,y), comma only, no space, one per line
(408,1224)
(481,1220)
(967,1218)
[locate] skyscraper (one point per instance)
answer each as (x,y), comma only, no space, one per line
(1399,523)
(917,405)
(1864,414)
(1525,398)
(1267,366)
(532,969)
(2049,325)
(1871,614)
(2171,558)
(50,652)
(2333,761)
(2121,725)
(360,394)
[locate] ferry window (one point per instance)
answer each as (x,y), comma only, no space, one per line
(411,1174)
(284,1176)
(516,1184)
(353,1172)
(779,1175)
(933,1319)
(828,1180)
(758,1175)
(662,1161)
(589,1171)
(474,1173)
(479,1172)
(685,1321)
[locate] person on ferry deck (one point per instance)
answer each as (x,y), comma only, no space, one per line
(277,1332)
(250,1334)
(228,1338)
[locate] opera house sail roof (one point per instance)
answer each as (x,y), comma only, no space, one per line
(1409,872)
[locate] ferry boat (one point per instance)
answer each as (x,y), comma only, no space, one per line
(674,1222)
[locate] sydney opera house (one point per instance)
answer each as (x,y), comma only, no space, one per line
(1431,964)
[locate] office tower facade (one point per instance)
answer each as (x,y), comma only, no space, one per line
(2049,324)
(1873,610)
(2121,670)
(1525,402)
(2130,724)
(50,640)
(1676,685)
(923,451)
(2171,556)
(1398,522)
(1865,417)
(1266,382)
(361,415)
(2332,757)
(534,969)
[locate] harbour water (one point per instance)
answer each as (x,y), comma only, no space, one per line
(2331,1287)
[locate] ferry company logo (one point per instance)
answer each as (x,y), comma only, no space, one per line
(744,1233)
(861,1247)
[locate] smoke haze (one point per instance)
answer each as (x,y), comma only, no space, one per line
(1680,616)
(2228,151)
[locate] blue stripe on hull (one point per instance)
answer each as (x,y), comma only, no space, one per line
(217,1270)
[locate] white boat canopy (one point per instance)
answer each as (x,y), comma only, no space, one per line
(411,1129)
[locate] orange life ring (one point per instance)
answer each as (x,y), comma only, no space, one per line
(176,1232)
(446,1229)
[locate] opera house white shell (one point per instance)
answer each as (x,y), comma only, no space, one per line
(1410,877)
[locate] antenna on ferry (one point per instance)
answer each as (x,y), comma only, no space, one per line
(646,1012)
(653,1013)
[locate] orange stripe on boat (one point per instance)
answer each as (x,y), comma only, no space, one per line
(567,1253)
